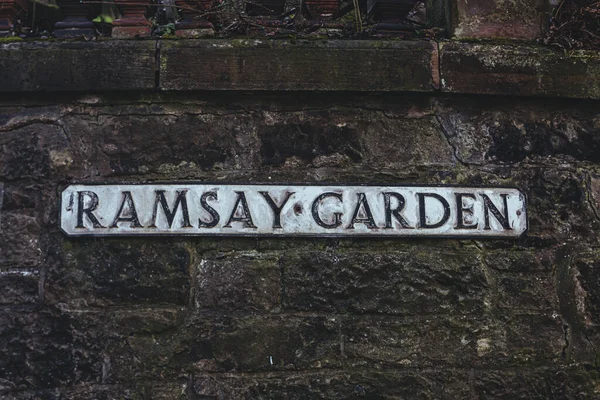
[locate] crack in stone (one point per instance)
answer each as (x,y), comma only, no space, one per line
(447,137)
(28,122)
(588,195)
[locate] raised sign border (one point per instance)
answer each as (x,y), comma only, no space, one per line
(525,232)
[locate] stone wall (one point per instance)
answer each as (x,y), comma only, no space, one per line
(248,318)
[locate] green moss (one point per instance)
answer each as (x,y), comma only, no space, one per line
(10,39)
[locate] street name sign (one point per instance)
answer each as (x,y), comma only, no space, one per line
(204,209)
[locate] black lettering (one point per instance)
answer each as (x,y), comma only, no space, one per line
(133,219)
(396,211)
(276,209)
(213,213)
(246,218)
(180,199)
(81,209)
(337,217)
(368,219)
(461,209)
(488,207)
(423,217)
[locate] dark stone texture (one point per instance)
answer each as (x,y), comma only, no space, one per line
(115,271)
(587,267)
(448,384)
(39,349)
(77,66)
(250,281)
(502,133)
(356,384)
(131,391)
(18,286)
(518,70)
(445,341)
(272,343)
(544,383)
(314,65)
(29,151)
(246,318)
(297,65)
(483,19)
(417,282)
(527,292)
(20,240)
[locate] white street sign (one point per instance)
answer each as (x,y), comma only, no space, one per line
(291,210)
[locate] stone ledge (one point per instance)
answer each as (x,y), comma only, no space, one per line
(77,66)
(334,65)
(285,65)
(519,70)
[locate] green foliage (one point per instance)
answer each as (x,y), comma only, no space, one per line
(106,18)
(165,30)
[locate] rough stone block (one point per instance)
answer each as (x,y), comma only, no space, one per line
(496,130)
(250,281)
(39,349)
(587,288)
(274,343)
(405,283)
(542,383)
(102,272)
(77,66)
(27,150)
(304,65)
(132,390)
(141,343)
(460,341)
(172,142)
(528,292)
(354,384)
(497,19)
(518,70)
(20,240)
(523,262)
(18,286)
(397,143)
(210,342)
(166,143)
